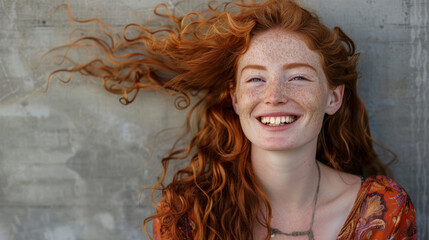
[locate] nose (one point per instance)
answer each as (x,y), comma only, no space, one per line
(275,92)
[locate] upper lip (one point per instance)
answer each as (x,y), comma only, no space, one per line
(275,114)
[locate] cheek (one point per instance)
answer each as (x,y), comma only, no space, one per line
(311,98)
(245,100)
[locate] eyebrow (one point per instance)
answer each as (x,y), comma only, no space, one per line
(286,66)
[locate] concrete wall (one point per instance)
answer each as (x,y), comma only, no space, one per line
(73,160)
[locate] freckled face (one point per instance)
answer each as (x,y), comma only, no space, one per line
(282,93)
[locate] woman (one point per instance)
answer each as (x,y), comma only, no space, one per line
(283,148)
(289,84)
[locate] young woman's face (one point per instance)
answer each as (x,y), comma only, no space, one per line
(282,94)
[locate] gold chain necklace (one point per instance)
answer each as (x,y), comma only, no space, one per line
(309,233)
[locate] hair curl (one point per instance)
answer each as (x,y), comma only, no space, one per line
(198,52)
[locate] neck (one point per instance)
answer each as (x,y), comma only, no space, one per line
(289,178)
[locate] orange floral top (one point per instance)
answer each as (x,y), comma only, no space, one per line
(382,210)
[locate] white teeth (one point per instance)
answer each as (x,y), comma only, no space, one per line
(265,120)
(277,121)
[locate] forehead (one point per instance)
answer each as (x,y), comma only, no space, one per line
(277,46)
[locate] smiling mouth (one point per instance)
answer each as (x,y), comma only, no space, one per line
(276,121)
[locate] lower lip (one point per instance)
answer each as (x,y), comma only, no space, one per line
(277,128)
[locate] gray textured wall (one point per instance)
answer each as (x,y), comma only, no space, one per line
(73,160)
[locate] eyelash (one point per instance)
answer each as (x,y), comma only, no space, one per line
(301,78)
(260,79)
(255,78)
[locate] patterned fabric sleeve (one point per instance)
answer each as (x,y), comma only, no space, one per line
(400,215)
(386,212)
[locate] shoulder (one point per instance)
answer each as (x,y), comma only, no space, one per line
(390,194)
(383,185)
(382,210)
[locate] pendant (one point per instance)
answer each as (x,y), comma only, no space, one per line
(309,233)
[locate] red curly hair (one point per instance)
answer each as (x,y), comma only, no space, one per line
(197,54)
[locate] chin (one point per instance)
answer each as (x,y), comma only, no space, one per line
(274,147)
